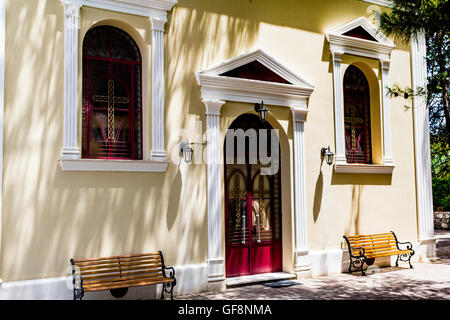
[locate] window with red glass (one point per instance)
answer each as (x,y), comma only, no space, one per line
(112,100)
(357,116)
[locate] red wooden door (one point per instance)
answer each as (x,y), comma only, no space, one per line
(253,220)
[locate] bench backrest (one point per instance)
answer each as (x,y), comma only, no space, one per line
(381,242)
(99,271)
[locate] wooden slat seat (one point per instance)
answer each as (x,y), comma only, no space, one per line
(365,248)
(117,272)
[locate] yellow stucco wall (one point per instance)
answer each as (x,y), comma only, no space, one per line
(50,216)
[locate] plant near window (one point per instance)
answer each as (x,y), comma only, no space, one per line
(405,21)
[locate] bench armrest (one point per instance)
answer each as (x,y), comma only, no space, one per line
(171,273)
(362,251)
(409,245)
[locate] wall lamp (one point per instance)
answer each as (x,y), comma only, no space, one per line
(262,111)
(328,155)
(186,151)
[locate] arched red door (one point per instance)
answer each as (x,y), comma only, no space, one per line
(253,210)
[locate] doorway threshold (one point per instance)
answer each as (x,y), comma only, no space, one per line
(258,278)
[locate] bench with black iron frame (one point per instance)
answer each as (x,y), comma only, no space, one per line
(119,273)
(363,249)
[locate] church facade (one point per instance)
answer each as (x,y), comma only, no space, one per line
(237,137)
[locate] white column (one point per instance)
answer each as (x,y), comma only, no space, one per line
(340,157)
(71,149)
(302,264)
(158,152)
(422,152)
(387,148)
(216,261)
(2,109)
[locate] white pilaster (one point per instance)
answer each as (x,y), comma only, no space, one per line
(338,108)
(422,152)
(387,148)
(71,149)
(216,261)
(302,264)
(158,152)
(2,108)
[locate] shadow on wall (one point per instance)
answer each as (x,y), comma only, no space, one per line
(318,194)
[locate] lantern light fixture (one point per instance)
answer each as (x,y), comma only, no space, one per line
(262,111)
(328,155)
(186,151)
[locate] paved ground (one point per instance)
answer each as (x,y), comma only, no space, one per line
(425,281)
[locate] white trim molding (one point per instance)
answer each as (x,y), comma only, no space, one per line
(214,86)
(216,89)
(384,3)
(379,49)
(2,110)
(363,168)
(156,11)
(113,165)
(422,151)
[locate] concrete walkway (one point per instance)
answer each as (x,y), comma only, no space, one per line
(425,281)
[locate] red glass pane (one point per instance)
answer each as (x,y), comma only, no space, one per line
(112,112)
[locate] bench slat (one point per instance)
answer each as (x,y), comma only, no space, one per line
(372,240)
(119,277)
(111,270)
(116,257)
(370,235)
(112,261)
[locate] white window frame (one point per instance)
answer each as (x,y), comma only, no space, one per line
(71,160)
(381,50)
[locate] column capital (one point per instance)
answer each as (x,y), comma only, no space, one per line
(385,64)
(158,23)
(213,106)
(72,8)
(299,114)
(336,55)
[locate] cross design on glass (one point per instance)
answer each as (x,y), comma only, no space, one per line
(111,100)
(354,120)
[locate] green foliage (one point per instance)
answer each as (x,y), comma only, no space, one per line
(405,22)
(441,193)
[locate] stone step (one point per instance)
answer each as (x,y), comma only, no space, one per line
(258,278)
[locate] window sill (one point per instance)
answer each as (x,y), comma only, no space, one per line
(363,168)
(113,165)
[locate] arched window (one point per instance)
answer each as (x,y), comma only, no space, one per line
(357,116)
(112,102)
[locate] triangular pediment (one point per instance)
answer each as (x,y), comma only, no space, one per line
(256,66)
(255,70)
(361,29)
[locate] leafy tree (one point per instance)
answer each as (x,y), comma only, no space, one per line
(404,22)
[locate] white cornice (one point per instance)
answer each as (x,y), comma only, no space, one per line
(380,49)
(385,3)
(218,87)
(147,8)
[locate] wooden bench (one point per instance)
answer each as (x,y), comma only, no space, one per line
(365,248)
(119,273)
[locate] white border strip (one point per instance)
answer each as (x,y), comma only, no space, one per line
(2,107)
(385,3)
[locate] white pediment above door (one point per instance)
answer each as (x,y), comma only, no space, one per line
(253,77)
(360,37)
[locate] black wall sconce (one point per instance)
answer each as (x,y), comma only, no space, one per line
(262,111)
(328,155)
